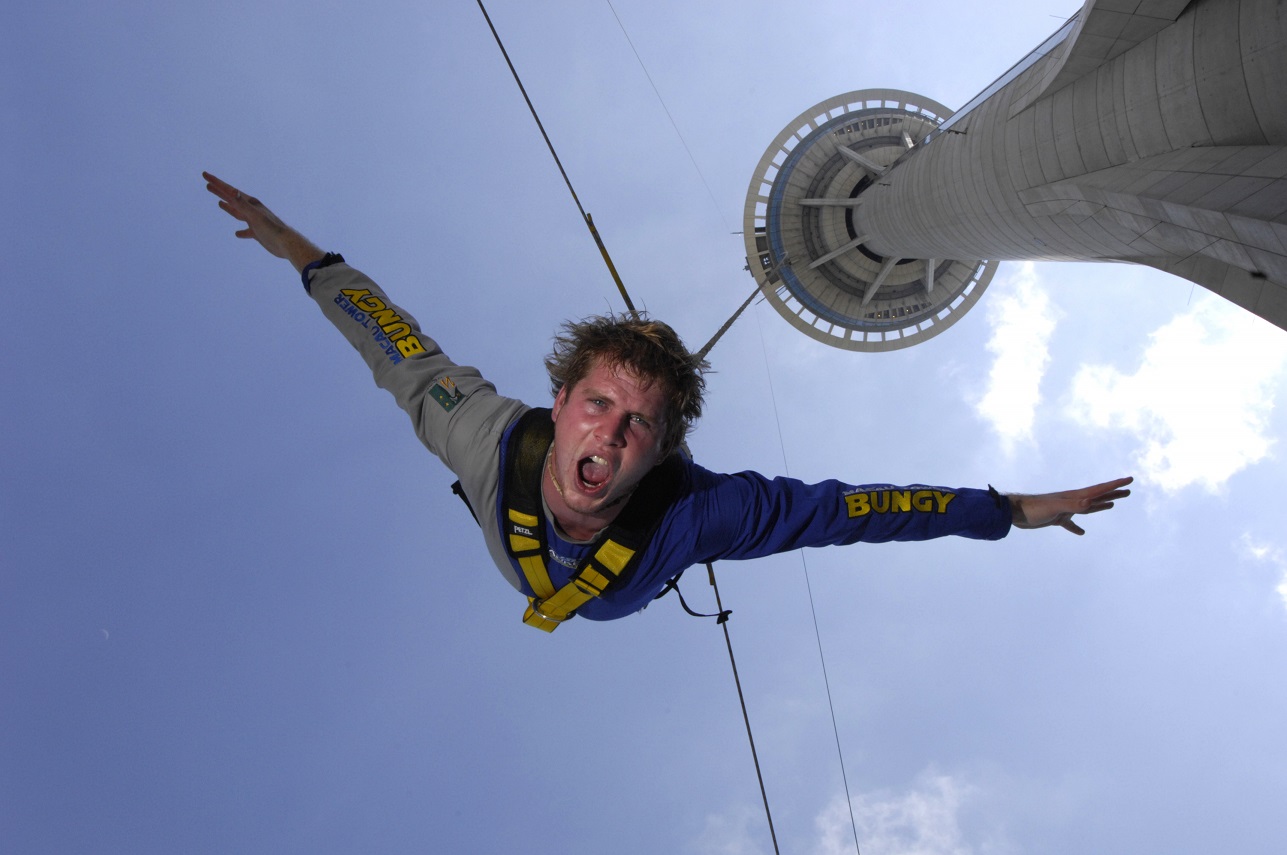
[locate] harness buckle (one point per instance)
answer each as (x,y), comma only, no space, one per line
(536,608)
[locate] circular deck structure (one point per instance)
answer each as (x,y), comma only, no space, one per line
(801,244)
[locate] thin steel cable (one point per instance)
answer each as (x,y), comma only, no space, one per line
(728,641)
(603,250)
(684,142)
(673,123)
(808,584)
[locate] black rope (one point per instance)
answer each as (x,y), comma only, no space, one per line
(598,241)
(673,585)
(701,354)
(721,617)
(710,571)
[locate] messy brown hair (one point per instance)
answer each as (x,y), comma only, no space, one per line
(646,348)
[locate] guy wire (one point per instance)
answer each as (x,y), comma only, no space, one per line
(673,123)
(809,588)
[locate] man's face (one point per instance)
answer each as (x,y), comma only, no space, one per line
(608,433)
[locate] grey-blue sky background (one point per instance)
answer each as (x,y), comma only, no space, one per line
(240,610)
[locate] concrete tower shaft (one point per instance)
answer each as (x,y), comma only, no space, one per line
(1146,131)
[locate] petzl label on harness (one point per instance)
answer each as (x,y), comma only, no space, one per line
(445,393)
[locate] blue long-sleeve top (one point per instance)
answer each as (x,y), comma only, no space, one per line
(747,515)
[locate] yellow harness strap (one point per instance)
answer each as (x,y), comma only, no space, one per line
(547,611)
(527,550)
(524,526)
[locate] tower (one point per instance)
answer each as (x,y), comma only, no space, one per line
(1144,131)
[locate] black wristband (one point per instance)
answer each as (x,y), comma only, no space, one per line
(325,261)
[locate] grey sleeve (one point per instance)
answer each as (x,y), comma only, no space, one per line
(453,409)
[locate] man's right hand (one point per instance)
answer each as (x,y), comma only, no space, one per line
(1058,509)
(263,225)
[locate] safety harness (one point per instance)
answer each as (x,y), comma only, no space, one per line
(617,549)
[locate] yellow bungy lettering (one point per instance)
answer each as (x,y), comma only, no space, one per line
(410,346)
(897,501)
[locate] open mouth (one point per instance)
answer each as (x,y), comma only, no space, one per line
(593,472)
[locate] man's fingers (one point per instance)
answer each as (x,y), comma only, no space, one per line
(1058,509)
(1109,486)
(216,184)
(230,197)
(222,189)
(1102,496)
(1099,503)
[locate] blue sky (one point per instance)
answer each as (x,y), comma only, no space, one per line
(240,610)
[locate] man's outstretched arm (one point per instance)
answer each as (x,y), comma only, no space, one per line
(263,225)
(454,410)
(1059,509)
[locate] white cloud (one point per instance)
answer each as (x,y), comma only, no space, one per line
(922,821)
(1199,403)
(1268,553)
(1022,321)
